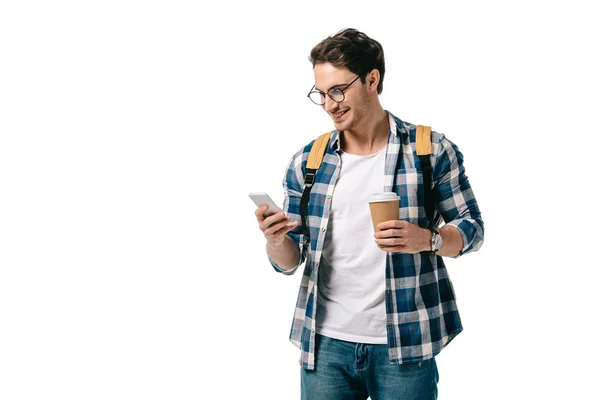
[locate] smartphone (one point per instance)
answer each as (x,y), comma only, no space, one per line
(261,198)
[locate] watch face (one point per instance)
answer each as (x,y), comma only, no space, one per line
(437,241)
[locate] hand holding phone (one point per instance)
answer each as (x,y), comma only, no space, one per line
(261,198)
(280,247)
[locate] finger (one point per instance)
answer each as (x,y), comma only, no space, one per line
(260,211)
(388,233)
(393,249)
(387,242)
(280,232)
(401,224)
(277,226)
(286,229)
(391,242)
(273,219)
(388,249)
(389,224)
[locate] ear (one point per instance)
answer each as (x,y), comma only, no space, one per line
(372,80)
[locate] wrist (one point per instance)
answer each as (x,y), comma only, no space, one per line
(275,244)
(436,241)
(426,242)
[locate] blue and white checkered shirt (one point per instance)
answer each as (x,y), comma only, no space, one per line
(422,317)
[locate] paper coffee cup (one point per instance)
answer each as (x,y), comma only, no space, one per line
(384,206)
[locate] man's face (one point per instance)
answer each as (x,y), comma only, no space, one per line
(347,114)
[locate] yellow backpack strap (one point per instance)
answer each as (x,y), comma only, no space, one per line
(423,140)
(424,151)
(315,157)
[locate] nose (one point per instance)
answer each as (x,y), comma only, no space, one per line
(330,105)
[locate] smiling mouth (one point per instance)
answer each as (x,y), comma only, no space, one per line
(339,113)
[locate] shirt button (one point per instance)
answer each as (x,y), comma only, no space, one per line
(322,229)
(329,196)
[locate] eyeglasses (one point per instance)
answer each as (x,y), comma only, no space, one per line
(336,94)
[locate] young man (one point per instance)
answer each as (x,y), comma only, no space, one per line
(373,308)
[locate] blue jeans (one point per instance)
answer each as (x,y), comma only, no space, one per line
(353,371)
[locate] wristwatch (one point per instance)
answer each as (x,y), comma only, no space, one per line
(436,241)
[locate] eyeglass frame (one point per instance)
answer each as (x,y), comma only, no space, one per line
(343,91)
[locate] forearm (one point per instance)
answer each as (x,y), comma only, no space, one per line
(456,203)
(286,255)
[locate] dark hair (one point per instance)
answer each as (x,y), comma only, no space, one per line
(354,50)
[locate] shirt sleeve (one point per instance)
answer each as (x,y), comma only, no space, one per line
(293,183)
(454,197)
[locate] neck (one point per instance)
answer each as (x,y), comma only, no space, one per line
(370,136)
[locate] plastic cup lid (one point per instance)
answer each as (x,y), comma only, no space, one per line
(384,196)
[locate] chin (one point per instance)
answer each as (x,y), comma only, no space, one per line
(340,126)
(343,125)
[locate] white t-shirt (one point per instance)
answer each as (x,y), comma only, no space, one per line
(351,285)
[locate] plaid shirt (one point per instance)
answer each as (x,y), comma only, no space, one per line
(422,317)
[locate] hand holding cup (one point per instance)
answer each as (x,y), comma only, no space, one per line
(391,234)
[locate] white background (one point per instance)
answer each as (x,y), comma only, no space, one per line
(131,264)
